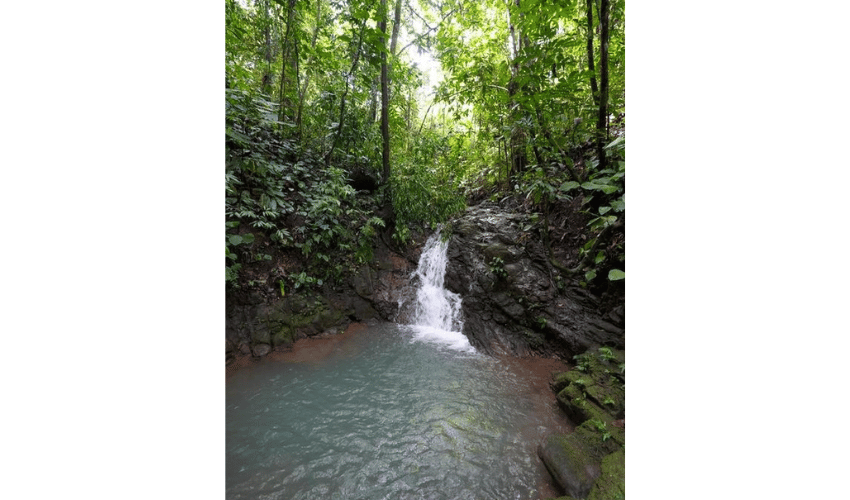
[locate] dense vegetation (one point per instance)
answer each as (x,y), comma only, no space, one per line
(332,138)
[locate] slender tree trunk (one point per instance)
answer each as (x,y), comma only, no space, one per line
(385,97)
(568,163)
(396,26)
(302,93)
(373,101)
(287,109)
(519,157)
(593,88)
(268,54)
(356,60)
(601,124)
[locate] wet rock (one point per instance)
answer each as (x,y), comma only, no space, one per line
(510,301)
(590,462)
(611,484)
(571,464)
(261,350)
(374,291)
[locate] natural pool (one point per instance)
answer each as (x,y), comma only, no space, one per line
(389,412)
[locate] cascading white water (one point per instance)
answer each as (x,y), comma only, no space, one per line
(437,315)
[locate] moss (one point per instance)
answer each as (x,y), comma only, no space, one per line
(609,397)
(571,463)
(560,381)
(611,484)
(594,397)
(595,438)
(284,336)
(260,336)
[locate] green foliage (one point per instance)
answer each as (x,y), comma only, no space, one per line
(231,269)
(541,322)
(423,193)
(516,79)
(608,186)
(271,181)
(605,353)
(497,267)
(302,279)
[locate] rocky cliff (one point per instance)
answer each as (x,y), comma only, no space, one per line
(513,300)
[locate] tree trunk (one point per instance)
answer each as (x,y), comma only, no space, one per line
(519,158)
(601,124)
(396,26)
(373,101)
(385,97)
(268,53)
(345,93)
(302,93)
(593,88)
(290,58)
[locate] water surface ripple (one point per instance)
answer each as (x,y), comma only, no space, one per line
(386,415)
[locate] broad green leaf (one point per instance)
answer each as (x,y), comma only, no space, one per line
(616,274)
(234,239)
(615,142)
(248,238)
(567,186)
(604,210)
(590,275)
(599,257)
(618,205)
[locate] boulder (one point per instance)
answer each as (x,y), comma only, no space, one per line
(571,464)
(261,350)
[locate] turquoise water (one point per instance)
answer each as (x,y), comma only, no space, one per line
(389,412)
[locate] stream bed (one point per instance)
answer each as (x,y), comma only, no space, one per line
(388,411)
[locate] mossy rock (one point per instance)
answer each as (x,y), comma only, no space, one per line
(260,336)
(573,400)
(611,484)
(582,410)
(328,318)
(560,381)
(595,383)
(596,438)
(571,463)
(283,337)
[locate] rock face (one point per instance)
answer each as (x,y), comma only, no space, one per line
(512,302)
(256,326)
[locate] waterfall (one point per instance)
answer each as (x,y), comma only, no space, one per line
(437,316)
